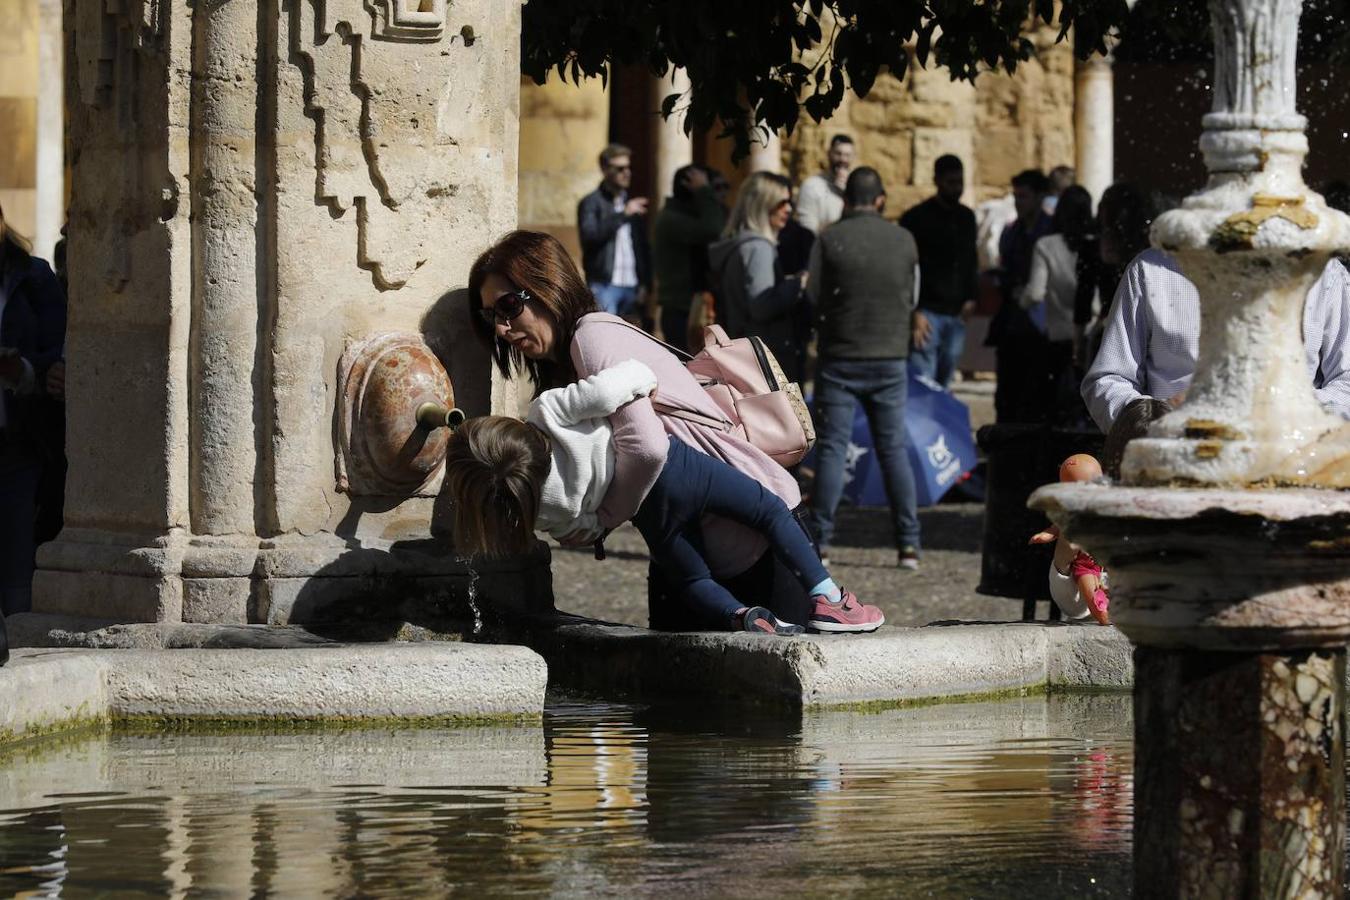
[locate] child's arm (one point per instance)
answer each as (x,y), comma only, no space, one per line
(1044,537)
(584,529)
(599,395)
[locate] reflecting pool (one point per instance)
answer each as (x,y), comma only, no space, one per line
(1019,798)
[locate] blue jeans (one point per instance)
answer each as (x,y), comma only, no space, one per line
(615,300)
(18,510)
(881,386)
(693,484)
(939,357)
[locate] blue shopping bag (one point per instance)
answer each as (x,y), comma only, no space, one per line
(940,447)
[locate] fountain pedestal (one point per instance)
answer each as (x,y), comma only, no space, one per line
(1238,603)
(1228,557)
(1239,773)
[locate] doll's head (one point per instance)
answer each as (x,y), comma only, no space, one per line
(1080,467)
(495,468)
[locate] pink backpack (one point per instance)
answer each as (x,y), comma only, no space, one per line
(744,379)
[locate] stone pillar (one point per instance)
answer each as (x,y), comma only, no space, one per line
(259,190)
(1094,118)
(50,212)
(766,153)
(673,148)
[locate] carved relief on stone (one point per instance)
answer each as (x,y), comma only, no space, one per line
(116,48)
(376,151)
(101,29)
(1255,57)
(409,20)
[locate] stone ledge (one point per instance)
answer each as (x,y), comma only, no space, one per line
(895,665)
(48,690)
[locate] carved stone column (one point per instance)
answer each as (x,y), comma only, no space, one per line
(261,190)
(1253,241)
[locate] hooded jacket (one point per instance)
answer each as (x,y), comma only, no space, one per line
(757,301)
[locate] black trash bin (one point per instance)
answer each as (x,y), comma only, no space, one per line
(1022,458)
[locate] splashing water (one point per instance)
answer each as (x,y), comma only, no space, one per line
(472,597)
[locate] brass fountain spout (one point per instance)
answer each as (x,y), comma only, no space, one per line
(436,415)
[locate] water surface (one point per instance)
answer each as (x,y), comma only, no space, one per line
(1020,798)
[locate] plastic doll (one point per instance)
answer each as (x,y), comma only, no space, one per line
(1071,563)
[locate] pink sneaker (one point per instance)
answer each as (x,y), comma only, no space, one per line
(848,615)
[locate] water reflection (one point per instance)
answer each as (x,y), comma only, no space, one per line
(1012,797)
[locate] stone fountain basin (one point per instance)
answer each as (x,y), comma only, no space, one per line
(1216,569)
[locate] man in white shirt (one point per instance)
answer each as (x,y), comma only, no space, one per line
(820,202)
(1152,338)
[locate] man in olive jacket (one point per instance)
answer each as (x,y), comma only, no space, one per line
(862,279)
(689,221)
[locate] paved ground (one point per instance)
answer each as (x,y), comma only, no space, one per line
(863,560)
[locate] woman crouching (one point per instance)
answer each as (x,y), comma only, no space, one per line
(508,478)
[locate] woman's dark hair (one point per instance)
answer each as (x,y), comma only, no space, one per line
(495,468)
(538,263)
(1132,423)
(1073,217)
(1126,213)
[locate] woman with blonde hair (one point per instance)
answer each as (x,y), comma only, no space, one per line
(757,300)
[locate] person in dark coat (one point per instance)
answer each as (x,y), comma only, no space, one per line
(32,331)
(1019,394)
(613,231)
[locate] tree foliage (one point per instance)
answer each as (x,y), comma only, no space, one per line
(758,63)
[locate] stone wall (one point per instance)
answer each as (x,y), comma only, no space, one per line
(998,126)
(563,127)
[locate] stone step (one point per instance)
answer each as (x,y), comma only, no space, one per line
(48,690)
(892,666)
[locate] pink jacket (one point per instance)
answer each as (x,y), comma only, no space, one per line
(640,442)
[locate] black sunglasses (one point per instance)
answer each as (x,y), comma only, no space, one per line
(507,307)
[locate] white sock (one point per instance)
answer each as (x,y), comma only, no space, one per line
(829,590)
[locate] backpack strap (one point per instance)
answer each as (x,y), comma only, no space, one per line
(689,415)
(679,412)
(682,355)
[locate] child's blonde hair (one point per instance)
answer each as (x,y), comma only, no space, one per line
(495,469)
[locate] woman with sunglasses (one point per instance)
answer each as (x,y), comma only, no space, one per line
(535,312)
(756,298)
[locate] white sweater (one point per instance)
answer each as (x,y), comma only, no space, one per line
(575,418)
(1054,282)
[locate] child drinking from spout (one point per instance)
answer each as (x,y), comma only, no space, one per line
(507,478)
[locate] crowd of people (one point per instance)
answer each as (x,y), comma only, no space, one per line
(1089,326)
(879,301)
